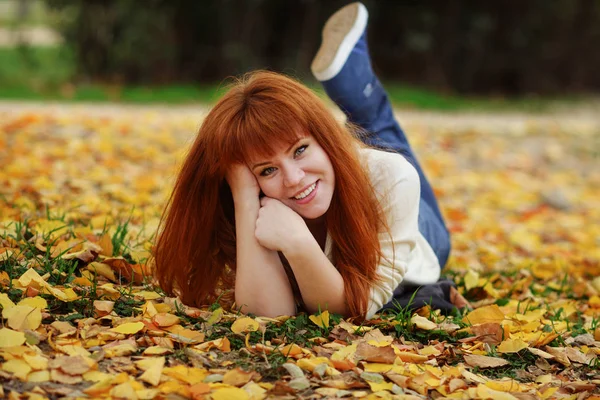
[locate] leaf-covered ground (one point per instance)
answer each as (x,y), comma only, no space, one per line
(80,200)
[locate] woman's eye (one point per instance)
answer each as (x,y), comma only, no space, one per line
(267,171)
(300,150)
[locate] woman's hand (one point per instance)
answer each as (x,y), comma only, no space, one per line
(278,227)
(242,182)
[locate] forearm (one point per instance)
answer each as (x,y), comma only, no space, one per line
(320,283)
(261,284)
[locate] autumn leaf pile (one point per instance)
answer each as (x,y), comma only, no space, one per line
(80,201)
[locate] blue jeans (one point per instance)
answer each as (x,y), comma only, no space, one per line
(360,95)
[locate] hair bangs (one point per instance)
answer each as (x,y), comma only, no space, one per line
(261,131)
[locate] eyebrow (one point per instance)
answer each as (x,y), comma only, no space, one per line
(287,151)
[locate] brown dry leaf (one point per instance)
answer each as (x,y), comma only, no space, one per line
(370,353)
(559,354)
(57,375)
(103,307)
(490,332)
(131,272)
(475,360)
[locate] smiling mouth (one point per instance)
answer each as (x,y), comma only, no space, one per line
(305,192)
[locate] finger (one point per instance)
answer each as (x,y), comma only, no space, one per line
(265,200)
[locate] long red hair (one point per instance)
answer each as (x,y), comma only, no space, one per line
(195,251)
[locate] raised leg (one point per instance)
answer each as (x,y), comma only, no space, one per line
(343,66)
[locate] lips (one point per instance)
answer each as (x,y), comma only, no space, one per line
(309,193)
(304,192)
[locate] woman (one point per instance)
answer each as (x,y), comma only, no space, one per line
(280,202)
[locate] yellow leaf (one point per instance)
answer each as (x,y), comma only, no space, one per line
(96,376)
(423,323)
(103,270)
(215,316)
(147,295)
(18,368)
(237,377)
(36,361)
(321,320)
(5,301)
(125,391)
(129,328)
(30,276)
(165,319)
(24,317)
(377,387)
(471,279)
(157,351)
(39,376)
(512,346)
(99,388)
(345,352)
(485,392)
(255,391)
(154,371)
(230,394)
(243,325)
(35,302)
(484,315)
(10,338)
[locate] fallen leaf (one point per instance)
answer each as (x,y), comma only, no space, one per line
(153,370)
(512,346)
(243,325)
(23,317)
(321,320)
(491,332)
(164,319)
(475,360)
(129,328)
(103,307)
(423,323)
(487,314)
(367,352)
(10,338)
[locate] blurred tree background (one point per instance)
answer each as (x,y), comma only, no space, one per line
(507,48)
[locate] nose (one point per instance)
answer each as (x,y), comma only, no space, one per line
(293,175)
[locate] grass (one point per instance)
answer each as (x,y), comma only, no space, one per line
(46,74)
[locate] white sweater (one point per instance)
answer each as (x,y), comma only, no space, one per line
(407,256)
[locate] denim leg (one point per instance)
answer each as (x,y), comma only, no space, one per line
(360,95)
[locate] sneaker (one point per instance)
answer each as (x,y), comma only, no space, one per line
(341,33)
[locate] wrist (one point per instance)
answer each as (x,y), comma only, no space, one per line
(245,196)
(299,244)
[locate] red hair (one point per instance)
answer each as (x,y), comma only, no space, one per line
(195,250)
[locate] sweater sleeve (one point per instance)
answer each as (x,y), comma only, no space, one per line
(397,185)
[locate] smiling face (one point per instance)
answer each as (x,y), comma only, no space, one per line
(300,176)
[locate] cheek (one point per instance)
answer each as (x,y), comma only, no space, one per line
(269,187)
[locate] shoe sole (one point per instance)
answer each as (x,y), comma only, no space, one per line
(340,34)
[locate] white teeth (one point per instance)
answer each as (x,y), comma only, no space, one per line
(306,192)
